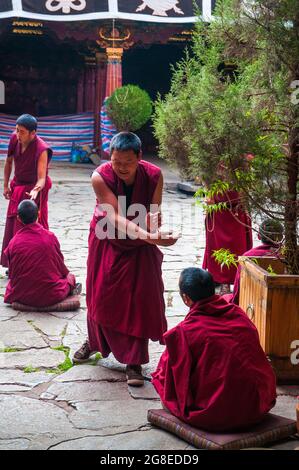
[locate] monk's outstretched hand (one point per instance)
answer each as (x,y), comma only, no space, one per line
(34,193)
(165,238)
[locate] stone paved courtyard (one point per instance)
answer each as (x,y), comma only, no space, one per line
(45,406)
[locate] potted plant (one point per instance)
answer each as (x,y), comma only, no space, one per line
(240,124)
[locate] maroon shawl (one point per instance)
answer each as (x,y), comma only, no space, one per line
(37,273)
(214,374)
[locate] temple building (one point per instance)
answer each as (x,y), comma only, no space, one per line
(63,57)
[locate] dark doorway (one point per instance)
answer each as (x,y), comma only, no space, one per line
(150,68)
(40,77)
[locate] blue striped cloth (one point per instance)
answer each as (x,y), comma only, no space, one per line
(108,130)
(58,131)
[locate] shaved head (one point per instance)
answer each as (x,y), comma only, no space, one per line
(27,121)
(271,231)
(28,212)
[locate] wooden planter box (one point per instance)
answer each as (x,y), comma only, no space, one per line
(272,303)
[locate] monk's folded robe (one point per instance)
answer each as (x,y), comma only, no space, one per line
(261,250)
(214,374)
(124,288)
(230,229)
(37,273)
(25,178)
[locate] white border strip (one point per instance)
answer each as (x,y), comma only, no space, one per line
(113,6)
(207,10)
(99,16)
(17,5)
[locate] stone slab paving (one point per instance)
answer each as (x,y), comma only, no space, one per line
(45,406)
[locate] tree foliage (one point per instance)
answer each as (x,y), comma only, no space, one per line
(225,118)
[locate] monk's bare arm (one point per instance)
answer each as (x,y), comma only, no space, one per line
(154,218)
(41,175)
(157,197)
(7,173)
(106,196)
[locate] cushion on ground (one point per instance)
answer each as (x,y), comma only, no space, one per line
(69,304)
(273,428)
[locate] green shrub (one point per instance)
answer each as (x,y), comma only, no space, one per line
(129,108)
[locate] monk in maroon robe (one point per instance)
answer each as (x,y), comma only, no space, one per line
(124,288)
(30,156)
(228,228)
(214,374)
(270,234)
(38,276)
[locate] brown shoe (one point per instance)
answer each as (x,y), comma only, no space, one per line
(134,376)
(83,354)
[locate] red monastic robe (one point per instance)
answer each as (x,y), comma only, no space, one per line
(261,250)
(230,229)
(124,287)
(24,180)
(37,274)
(214,374)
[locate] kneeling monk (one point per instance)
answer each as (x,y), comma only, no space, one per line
(214,374)
(124,288)
(30,156)
(37,274)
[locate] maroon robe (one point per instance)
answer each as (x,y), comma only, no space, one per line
(37,274)
(25,178)
(224,230)
(214,374)
(261,250)
(124,287)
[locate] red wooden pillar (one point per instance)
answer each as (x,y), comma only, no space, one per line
(114,69)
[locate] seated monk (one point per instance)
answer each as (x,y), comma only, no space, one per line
(37,274)
(214,374)
(228,228)
(271,235)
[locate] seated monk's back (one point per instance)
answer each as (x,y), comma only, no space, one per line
(37,274)
(231,380)
(214,374)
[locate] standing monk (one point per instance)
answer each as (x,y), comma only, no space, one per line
(124,280)
(31,157)
(228,228)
